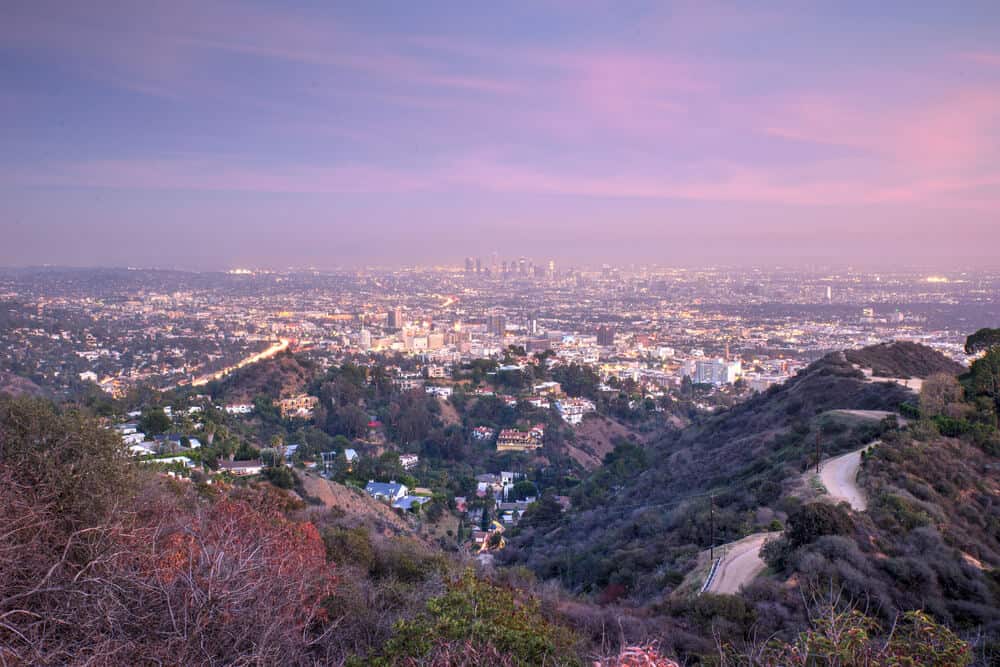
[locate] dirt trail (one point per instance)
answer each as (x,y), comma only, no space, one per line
(741,561)
(877,415)
(840,477)
(740,564)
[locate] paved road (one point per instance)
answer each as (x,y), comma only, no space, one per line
(840,477)
(280,346)
(741,564)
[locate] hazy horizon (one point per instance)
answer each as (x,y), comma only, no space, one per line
(211,135)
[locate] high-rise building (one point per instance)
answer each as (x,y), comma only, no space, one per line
(552,269)
(479,265)
(522,266)
(497,324)
(605,335)
(365,339)
(713,371)
(468,265)
(395,318)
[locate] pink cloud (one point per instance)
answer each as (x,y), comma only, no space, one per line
(723,182)
(988,58)
(954,130)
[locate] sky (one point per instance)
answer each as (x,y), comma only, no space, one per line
(210,134)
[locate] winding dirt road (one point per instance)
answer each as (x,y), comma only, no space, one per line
(840,477)
(740,564)
(741,561)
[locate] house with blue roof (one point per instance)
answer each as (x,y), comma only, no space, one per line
(387,491)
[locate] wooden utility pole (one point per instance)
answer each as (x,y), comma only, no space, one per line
(711,524)
(817,452)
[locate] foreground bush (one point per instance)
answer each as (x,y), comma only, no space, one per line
(483,619)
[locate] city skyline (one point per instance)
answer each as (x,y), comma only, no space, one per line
(213,135)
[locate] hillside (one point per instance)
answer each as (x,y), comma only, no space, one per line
(641,519)
(924,532)
(354,507)
(279,377)
(929,539)
(15,385)
(595,438)
(903,359)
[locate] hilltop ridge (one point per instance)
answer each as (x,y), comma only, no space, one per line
(903,359)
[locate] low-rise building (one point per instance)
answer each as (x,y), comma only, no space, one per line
(387,491)
(514,440)
(572,410)
(298,406)
(483,433)
(242,468)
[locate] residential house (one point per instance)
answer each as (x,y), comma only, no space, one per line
(407,502)
(514,440)
(482,433)
(298,406)
(572,410)
(389,492)
(242,468)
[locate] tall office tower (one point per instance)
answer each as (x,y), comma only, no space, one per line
(522,266)
(497,324)
(605,271)
(506,269)
(532,325)
(479,265)
(829,294)
(468,265)
(395,319)
(605,335)
(552,269)
(365,339)
(495,265)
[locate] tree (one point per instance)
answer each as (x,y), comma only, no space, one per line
(985,374)
(984,339)
(278,445)
(521,490)
(279,475)
(546,511)
(154,422)
(938,392)
(209,431)
(809,522)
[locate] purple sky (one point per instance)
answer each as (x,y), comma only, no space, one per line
(206,134)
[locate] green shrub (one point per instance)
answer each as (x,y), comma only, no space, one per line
(483,615)
(814,520)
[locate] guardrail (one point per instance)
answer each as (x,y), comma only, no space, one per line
(711,575)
